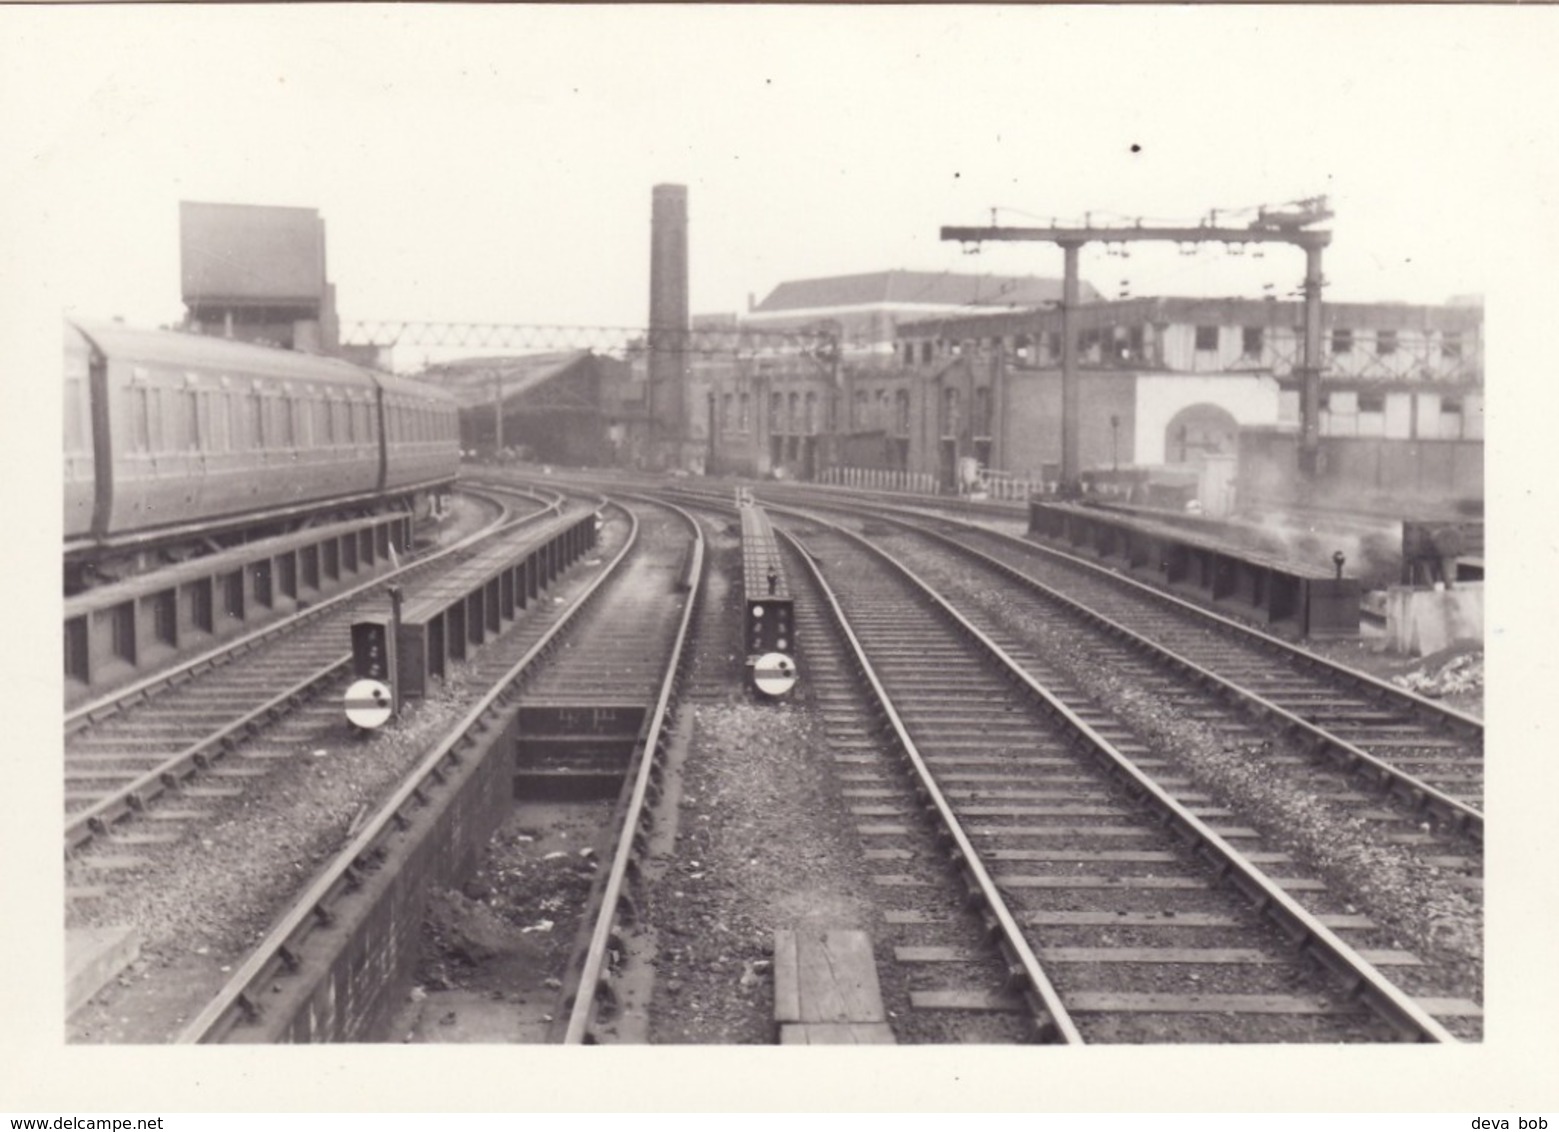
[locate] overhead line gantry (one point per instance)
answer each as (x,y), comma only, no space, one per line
(1271,226)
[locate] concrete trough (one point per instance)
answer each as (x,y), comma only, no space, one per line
(575,750)
(353,971)
(130,630)
(445,625)
(1283,594)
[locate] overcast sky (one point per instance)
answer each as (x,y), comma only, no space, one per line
(481,163)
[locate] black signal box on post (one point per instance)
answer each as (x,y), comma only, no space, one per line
(372,646)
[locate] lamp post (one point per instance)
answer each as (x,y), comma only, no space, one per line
(1115,441)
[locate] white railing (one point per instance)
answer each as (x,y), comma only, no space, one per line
(881,479)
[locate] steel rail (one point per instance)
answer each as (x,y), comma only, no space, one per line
(1419,794)
(125,801)
(1364,981)
(1050,1013)
(1418,705)
(83,826)
(88,714)
(278,953)
(594,975)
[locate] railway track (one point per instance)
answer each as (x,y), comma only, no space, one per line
(612,637)
(1385,740)
(1130,907)
(125,752)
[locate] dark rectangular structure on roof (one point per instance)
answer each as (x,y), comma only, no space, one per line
(242,255)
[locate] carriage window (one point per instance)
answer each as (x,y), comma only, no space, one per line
(349,421)
(140,420)
(156,414)
(1207,337)
(191,435)
(284,411)
(203,437)
(256,421)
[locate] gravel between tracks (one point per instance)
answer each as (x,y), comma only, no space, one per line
(199,904)
(763,841)
(1410,896)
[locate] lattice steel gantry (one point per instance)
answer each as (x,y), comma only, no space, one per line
(1286,225)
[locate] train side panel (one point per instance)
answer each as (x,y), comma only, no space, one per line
(80,458)
(203,428)
(422,434)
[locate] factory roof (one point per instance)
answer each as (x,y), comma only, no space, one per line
(914,288)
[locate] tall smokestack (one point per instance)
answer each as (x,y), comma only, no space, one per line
(668,315)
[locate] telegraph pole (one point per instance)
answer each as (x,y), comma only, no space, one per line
(1276,226)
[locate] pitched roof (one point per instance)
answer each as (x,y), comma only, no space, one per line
(939,288)
(471,380)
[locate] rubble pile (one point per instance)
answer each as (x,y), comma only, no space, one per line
(1458,675)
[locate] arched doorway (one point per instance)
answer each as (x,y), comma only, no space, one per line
(1200,430)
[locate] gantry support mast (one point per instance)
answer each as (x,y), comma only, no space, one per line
(1271,226)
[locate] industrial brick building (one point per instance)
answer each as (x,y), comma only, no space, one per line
(1165,382)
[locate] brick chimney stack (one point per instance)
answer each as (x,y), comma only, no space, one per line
(669,318)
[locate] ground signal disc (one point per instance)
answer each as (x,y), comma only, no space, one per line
(368,704)
(774,674)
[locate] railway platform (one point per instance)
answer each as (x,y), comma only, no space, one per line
(1270,588)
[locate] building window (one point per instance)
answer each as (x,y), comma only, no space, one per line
(951,412)
(1342,341)
(725,413)
(1386,342)
(1372,402)
(909,353)
(1207,337)
(1252,341)
(925,352)
(744,413)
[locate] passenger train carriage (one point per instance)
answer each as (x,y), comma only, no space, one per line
(170,436)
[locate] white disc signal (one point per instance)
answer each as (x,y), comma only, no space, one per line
(368,704)
(774,674)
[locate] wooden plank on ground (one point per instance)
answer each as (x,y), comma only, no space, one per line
(836,1034)
(825,976)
